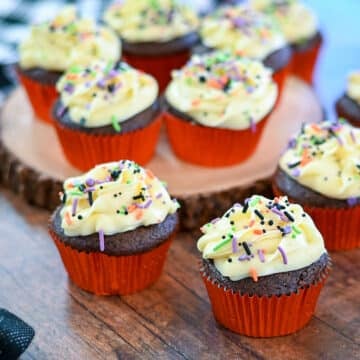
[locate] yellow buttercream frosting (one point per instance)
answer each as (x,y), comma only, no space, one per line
(296,20)
(353,86)
(242,30)
(151,20)
(223,90)
(325,157)
(261,237)
(113,198)
(66,41)
(106,92)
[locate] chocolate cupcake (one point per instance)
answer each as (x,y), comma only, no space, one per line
(55,46)
(114,228)
(321,170)
(301,30)
(260,260)
(157,35)
(219,102)
(110,108)
(348,106)
(249,33)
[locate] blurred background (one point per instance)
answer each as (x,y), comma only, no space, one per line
(339,23)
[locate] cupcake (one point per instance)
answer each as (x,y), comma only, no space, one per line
(320,169)
(107,111)
(263,264)
(114,228)
(348,106)
(249,33)
(52,47)
(301,29)
(217,107)
(157,35)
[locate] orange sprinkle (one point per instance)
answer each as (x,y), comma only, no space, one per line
(131,208)
(139,214)
(196,102)
(252,222)
(315,127)
(214,84)
(253,274)
(224,79)
(306,158)
(72,76)
(68,218)
(150,174)
(257,232)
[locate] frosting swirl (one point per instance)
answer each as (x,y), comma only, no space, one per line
(353,86)
(223,90)
(106,93)
(325,157)
(146,20)
(263,237)
(242,30)
(113,198)
(297,21)
(67,40)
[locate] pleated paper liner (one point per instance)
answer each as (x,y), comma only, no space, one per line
(338,226)
(263,316)
(159,66)
(41,96)
(303,63)
(103,274)
(212,147)
(84,150)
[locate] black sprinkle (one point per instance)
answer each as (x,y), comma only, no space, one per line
(101,187)
(111,88)
(82,187)
(115,174)
(259,214)
(63,200)
(246,247)
(229,260)
(245,208)
(202,78)
(264,231)
(303,215)
(289,216)
(90,195)
(140,196)
(80,217)
(232,223)
(118,211)
(115,195)
(82,121)
(294,165)
(271,222)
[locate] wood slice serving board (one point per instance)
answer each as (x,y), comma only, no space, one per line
(32,163)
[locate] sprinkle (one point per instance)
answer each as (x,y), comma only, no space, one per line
(290,217)
(246,248)
(90,189)
(353,138)
(115,124)
(234,244)
(90,182)
(255,201)
(246,206)
(287,230)
(261,255)
(279,213)
(159,195)
(283,254)
(67,218)
(145,206)
(214,221)
(138,214)
(296,230)
(293,165)
(253,274)
(101,240)
(352,201)
(259,214)
(296,172)
(257,232)
(244,257)
(224,242)
(74,206)
(90,198)
(252,125)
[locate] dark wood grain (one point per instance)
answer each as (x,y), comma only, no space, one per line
(171,320)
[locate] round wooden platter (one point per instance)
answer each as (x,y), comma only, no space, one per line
(32,163)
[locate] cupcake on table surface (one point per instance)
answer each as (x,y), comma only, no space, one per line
(263,264)
(54,46)
(219,102)
(114,228)
(301,29)
(249,33)
(321,170)
(106,111)
(157,35)
(348,106)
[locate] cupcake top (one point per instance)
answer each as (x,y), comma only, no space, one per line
(223,90)
(151,20)
(261,237)
(67,40)
(113,198)
(296,20)
(106,93)
(325,157)
(242,30)
(353,86)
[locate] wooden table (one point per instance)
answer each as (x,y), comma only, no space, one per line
(171,320)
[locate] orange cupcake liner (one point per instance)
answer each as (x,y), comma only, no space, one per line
(103,274)
(41,96)
(303,63)
(212,147)
(84,150)
(338,226)
(159,66)
(263,316)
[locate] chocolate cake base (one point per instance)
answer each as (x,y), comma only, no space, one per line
(304,195)
(276,284)
(348,109)
(42,76)
(132,242)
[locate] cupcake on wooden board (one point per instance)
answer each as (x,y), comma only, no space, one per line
(157,35)
(263,264)
(321,170)
(107,111)
(301,29)
(114,228)
(348,106)
(249,33)
(56,45)
(217,107)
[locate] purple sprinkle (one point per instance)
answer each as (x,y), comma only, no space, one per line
(341,143)
(69,88)
(252,125)
(112,73)
(352,201)
(353,138)
(74,206)
(214,221)
(244,257)
(159,195)
(237,205)
(287,229)
(145,206)
(296,172)
(101,84)
(234,244)
(90,189)
(261,255)
(90,182)
(279,213)
(283,254)
(292,143)
(101,240)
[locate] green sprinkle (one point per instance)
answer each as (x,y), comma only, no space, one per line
(189,81)
(164,183)
(75,69)
(128,182)
(255,201)
(75,193)
(115,124)
(71,28)
(296,230)
(224,242)
(108,67)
